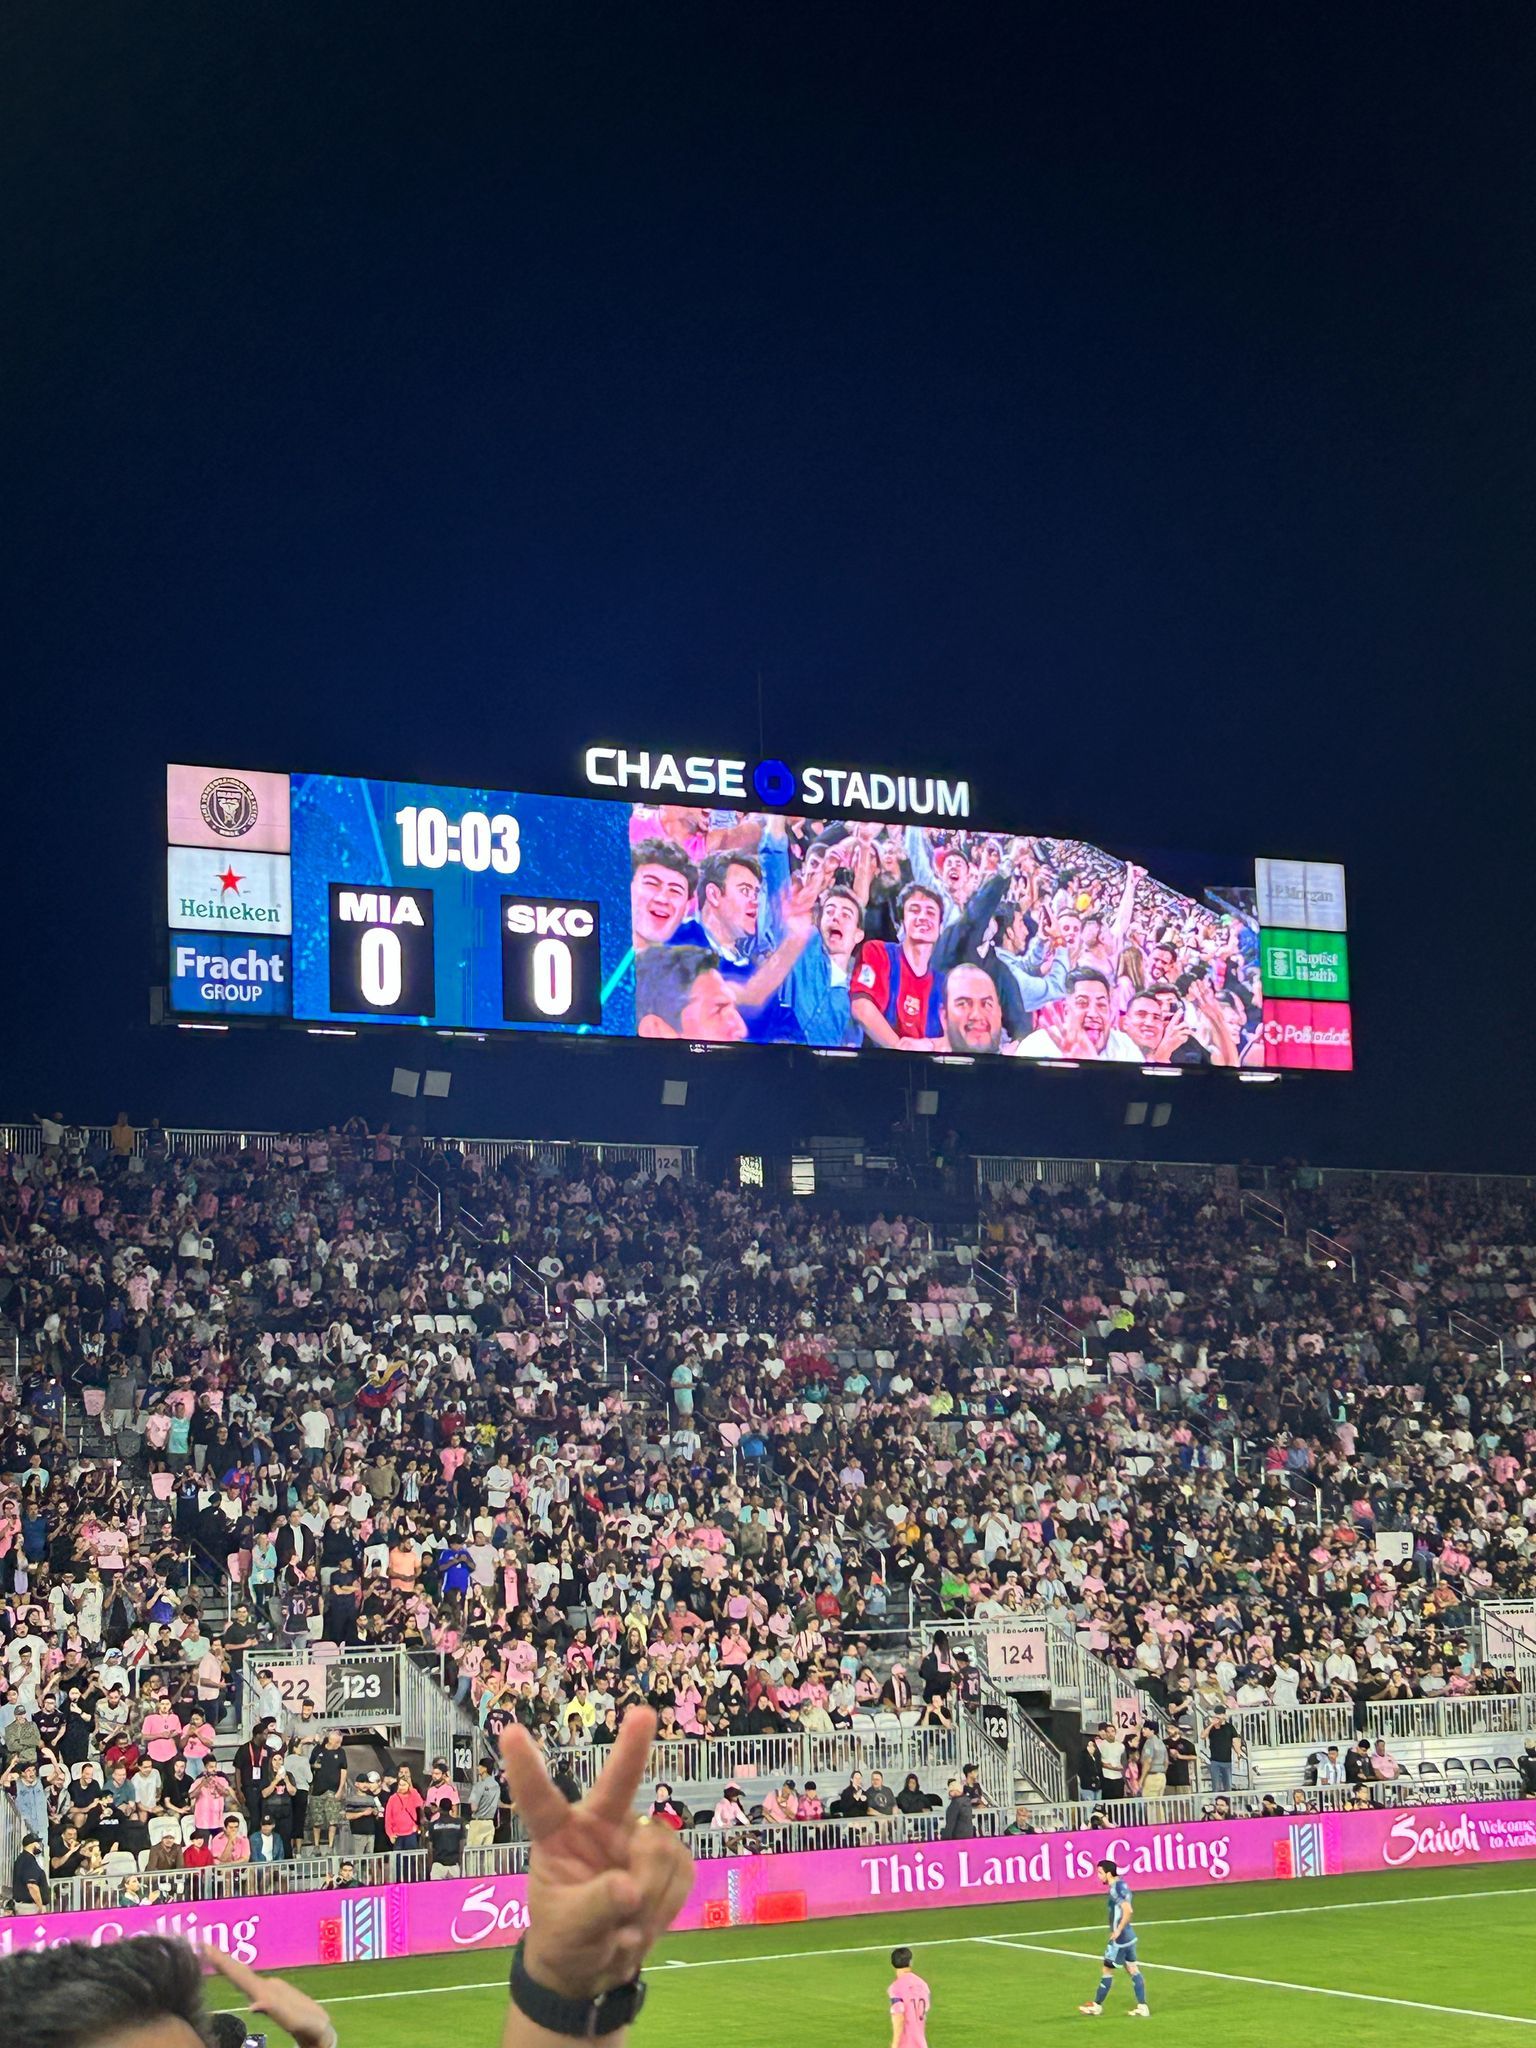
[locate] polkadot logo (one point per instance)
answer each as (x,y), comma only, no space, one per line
(1274,1031)
(774,783)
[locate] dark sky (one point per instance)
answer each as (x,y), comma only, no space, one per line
(1129,408)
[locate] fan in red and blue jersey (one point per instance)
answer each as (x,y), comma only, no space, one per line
(898,996)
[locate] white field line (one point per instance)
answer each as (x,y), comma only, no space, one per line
(1160,1969)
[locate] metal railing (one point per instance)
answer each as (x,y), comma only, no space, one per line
(23,1137)
(997,1283)
(767,1760)
(1006,1169)
(217,1883)
(102,1893)
(1263,1210)
(1508,1629)
(1469,1717)
(1287,1727)
(1028,1756)
(1062,1328)
(1246,1803)
(1323,1250)
(1475,1333)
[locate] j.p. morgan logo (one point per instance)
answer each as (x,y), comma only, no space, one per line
(1305,895)
(229,807)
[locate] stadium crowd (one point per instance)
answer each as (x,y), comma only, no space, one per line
(342,1380)
(930,939)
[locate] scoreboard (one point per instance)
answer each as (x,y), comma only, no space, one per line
(329,900)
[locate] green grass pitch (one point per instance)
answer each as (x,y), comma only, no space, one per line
(1396,1959)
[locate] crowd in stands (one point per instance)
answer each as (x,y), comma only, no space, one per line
(835,932)
(328,1396)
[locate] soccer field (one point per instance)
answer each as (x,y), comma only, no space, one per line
(1394,1958)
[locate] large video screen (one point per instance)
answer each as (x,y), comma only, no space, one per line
(323,899)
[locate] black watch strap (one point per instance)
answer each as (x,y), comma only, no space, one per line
(584,2019)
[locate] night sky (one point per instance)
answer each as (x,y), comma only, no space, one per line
(1130,409)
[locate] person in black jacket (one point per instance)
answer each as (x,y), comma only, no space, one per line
(1090,1772)
(445,1839)
(913,1799)
(959,1815)
(29,1878)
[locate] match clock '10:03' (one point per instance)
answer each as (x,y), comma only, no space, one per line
(430,839)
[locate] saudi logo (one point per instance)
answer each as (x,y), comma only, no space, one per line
(229,807)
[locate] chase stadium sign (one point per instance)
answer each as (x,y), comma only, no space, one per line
(774,784)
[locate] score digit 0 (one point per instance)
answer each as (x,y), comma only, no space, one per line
(381,952)
(551,961)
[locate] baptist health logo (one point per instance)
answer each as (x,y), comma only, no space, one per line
(1312,966)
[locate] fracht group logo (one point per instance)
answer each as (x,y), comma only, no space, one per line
(217,974)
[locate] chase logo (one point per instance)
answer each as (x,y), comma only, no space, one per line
(774,783)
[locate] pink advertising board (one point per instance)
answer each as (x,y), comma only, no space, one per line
(468,1915)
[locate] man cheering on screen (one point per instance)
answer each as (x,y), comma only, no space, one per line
(897,994)
(728,925)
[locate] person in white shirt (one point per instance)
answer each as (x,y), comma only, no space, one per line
(729,1811)
(1330,1767)
(1339,1668)
(316,1425)
(1085,1029)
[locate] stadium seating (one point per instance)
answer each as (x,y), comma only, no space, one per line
(781,1471)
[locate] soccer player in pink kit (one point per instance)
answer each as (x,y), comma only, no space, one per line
(910,2000)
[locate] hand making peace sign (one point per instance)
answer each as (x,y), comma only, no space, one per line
(602,1884)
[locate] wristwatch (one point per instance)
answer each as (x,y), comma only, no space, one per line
(584,2019)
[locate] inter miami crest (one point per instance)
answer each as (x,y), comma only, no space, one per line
(229,807)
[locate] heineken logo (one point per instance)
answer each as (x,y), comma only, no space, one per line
(210,889)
